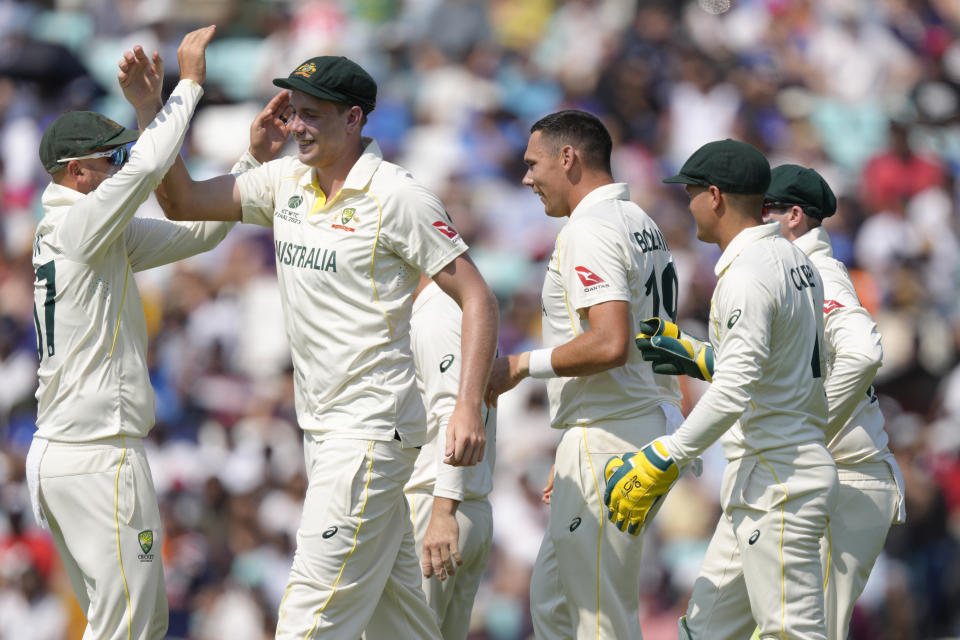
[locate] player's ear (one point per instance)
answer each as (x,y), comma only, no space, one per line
(716,196)
(568,156)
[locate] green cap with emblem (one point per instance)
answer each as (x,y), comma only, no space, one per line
(791,184)
(77,133)
(333,78)
(731,165)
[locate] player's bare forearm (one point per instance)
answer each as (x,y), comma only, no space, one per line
(466,433)
(441,542)
(605,345)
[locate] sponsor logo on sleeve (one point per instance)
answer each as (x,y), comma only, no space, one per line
(831,305)
(590,280)
(754,536)
(445,229)
(329,533)
(446,362)
(733,318)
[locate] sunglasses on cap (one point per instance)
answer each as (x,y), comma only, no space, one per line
(117,156)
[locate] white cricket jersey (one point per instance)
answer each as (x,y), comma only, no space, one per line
(853,353)
(766,327)
(348,267)
(435,338)
(608,250)
(91,331)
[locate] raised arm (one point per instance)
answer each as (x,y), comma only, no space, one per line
(466,435)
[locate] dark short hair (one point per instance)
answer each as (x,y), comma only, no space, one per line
(582,131)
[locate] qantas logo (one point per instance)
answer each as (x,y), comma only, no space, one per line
(587,277)
(831,305)
(445,229)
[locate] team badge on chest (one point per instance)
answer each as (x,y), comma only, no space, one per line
(346,216)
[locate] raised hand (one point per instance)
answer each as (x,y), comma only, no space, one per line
(269,131)
(191,54)
(141,78)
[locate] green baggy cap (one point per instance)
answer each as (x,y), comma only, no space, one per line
(77,133)
(731,165)
(333,78)
(791,184)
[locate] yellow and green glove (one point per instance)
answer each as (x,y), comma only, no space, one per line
(674,352)
(636,482)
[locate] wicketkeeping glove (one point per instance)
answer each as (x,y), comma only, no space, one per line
(674,352)
(636,482)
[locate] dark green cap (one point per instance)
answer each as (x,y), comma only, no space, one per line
(77,133)
(791,184)
(333,78)
(731,165)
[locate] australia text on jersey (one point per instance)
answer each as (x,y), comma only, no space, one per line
(304,257)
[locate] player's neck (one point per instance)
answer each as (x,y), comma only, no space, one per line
(331,177)
(588,183)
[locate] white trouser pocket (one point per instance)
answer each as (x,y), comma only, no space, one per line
(34,456)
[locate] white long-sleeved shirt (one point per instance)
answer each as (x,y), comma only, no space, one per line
(610,249)
(92,334)
(435,339)
(853,354)
(766,326)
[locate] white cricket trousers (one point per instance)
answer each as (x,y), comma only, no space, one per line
(355,559)
(870,500)
(763,562)
(585,581)
(452,599)
(101,506)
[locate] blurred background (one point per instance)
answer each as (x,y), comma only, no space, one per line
(865,91)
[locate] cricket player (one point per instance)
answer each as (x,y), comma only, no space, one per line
(767,405)
(352,233)
(610,268)
(452,517)
(86,467)
(871,485)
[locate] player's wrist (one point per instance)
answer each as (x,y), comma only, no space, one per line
(540,363)
(444,506)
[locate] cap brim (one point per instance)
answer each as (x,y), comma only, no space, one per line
(680,179)
(317,92)
(123,137)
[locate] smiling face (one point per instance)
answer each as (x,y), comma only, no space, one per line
(546,175)
(320,128)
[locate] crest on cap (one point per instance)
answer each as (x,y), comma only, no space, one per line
(306,70)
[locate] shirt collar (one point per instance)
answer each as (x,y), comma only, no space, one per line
(57,195)
(817,240)
(741,241)
(360,173)
(612,191)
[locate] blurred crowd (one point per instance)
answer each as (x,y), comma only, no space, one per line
(865,91)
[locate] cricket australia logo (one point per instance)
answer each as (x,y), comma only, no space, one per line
(145,538)
(306,70)
(347,215)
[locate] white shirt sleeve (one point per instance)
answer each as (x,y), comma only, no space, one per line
(419,230)
(743,312)
(258,188)
(853,336)
(592,265)
(96,221)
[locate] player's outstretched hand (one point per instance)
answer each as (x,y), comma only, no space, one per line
(141,78)
(466,437)
(441,542)
(635,484)
(674,352)
(269,131)
(192,54)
